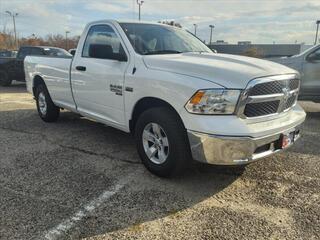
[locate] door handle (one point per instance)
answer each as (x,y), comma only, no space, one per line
(81,68)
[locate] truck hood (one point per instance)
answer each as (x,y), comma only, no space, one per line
(230,71)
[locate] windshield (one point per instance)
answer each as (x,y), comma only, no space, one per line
(159,39)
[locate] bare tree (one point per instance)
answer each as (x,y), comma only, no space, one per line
(253,52)
(54,40)
(7,40)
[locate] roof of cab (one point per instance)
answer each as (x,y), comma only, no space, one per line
(123,21)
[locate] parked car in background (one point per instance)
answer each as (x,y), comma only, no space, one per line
(308,64)
(12,68)
(176,96)
(8,53)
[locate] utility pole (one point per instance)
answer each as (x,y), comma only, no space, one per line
(211,28)
(14,15)
(316,39)
(67,39)
(195,29)
(140,2)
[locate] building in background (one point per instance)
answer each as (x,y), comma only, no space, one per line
(258,50)
(222,42)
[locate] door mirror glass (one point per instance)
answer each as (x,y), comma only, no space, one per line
(104,51)
(72,52)
(122,57)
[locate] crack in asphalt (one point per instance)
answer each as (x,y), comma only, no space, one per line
(97,154)
(71,147)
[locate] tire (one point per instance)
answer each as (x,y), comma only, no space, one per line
(48,112)
(169,155)
(4,79)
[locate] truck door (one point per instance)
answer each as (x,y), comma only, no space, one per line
(97,75)
(310,80)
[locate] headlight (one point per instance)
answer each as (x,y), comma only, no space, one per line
(213,101)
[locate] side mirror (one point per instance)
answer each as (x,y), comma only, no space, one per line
(104,51)
(313,57)
(122,57)
(73,52)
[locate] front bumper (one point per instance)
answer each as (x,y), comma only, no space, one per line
(235,150)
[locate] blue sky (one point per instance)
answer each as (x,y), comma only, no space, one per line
(260,21)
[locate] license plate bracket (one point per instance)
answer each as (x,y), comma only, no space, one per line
(287,139)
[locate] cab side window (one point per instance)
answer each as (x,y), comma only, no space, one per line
(102,42)
(36,52)
(24,51)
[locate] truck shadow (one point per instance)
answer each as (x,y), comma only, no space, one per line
(309,142)
(83,158)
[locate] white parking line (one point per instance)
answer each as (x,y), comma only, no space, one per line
(67,224)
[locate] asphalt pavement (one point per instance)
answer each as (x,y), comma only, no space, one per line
(78,179)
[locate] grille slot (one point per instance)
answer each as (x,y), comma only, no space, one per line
(267,96)
(294,84)
(260,109)
(290,102)
(267,88)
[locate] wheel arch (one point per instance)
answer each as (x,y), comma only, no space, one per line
(37,80)
(147,103)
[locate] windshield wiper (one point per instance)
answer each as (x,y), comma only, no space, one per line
(162,52)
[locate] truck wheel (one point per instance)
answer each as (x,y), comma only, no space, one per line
(46,108)
(162,142)
(4,79)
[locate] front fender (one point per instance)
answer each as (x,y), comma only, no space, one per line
(175,89)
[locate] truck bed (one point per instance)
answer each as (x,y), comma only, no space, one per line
(55,71)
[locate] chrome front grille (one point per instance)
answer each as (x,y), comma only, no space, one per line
(269,96)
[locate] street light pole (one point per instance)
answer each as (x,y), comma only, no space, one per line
(316,39)
(195,29)
(14,15)
(67,39)
(140,2)
(211,28)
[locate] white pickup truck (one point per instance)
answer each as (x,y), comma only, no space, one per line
(178,98)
